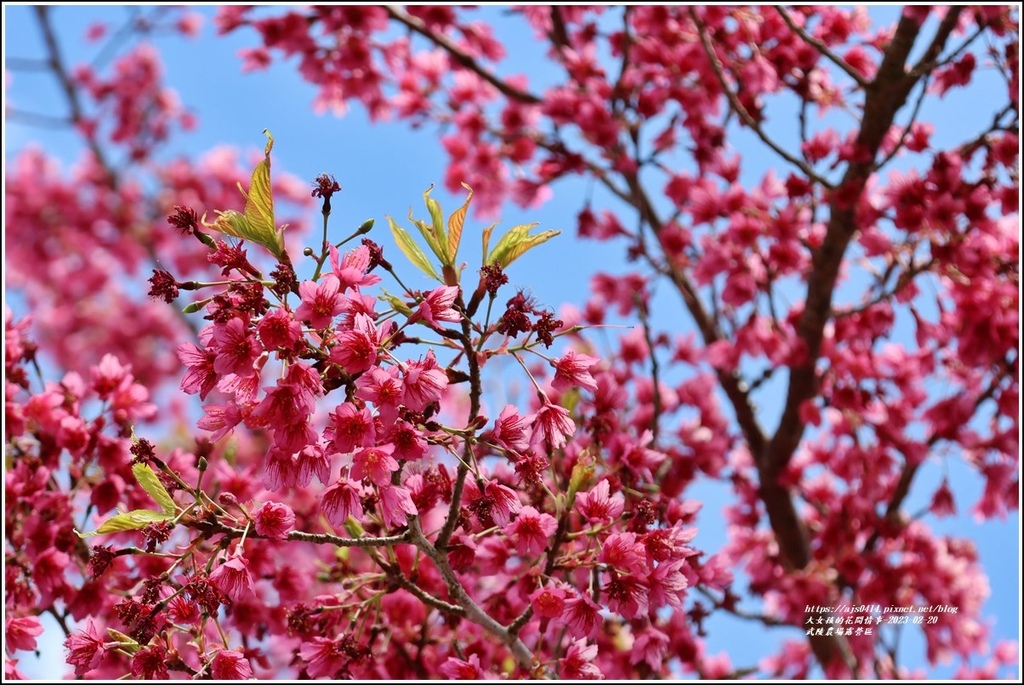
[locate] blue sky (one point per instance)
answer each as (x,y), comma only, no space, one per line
(384,169)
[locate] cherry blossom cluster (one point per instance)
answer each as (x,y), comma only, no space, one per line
(351,485)
(816,334)
(872,263)
(74,233)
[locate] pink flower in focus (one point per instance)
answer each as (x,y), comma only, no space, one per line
(396,505)
(437,306)
(84,647)
(504,502)
(230,665)
(552,425)
(578,663)
(409,442)
(278,330)
(627,595)
(150,663)
(375,464)
(356,350)
(573,370)
(236,348)
(200,377)
(222,419)
(531,531)
(510,429)
(233,578)
(548,602)
(424,382)
(274,520)
(340,501)
(667,584)
(352,269)
(321,301)
(582,616)
(280,471)
(183,611)
(597,507)
(622,552)
(350,428)
(383,388)
(313,461)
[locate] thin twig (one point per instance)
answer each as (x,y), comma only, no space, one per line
(522,654)
(426,597)
(906,129)
(319,538)
(822,48)
(37,119)
(461,56)
(737,106)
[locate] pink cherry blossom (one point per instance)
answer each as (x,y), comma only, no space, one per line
(233,578)
(230,665)
(321,301)
(531,530)
(273,519)
(374,464)
(573,370)
(340,501)
(578,663)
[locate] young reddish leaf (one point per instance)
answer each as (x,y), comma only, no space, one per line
(455,224)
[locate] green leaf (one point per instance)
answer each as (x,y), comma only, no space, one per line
(257,224)
(396,303)
(354,528)
(581,476)
(437,223)
(132,520)
(455,224)
(516,242)
(487,239)
(411,250)
(151,483)
(428,235)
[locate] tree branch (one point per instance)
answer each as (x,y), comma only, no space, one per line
(426,597)
(737,106)
(910,470)
(884,97)
(522,654)
(316,538)
(460,56)
(822,48)
(67,85)
(930,59)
